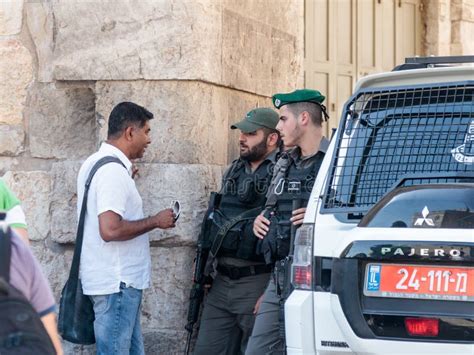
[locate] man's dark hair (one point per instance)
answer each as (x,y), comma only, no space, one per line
(314,111)
(124,115)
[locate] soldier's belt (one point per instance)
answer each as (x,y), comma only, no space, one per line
(235,273)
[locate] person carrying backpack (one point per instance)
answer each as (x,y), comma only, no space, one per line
(27,318)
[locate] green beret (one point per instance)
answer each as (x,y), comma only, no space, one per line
(305,95)
(257,118)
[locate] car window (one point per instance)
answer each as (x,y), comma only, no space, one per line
(425,206)
(401,137)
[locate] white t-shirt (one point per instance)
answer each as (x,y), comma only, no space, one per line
(105,264)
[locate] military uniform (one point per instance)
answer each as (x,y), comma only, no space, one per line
(241,275)
(290,188)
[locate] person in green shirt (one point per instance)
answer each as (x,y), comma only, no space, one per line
(15,215)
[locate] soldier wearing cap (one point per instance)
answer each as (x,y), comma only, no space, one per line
(240,275)
(300,126)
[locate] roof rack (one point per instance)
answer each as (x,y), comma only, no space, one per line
(441,60)
(429,62)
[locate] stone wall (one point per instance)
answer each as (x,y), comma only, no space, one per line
(449,27)
(198,65)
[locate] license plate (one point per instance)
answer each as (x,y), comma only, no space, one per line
(419,282)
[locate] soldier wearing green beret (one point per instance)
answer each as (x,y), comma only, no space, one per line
(300,126)
(240,275)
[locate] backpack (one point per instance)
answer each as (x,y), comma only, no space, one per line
(21,329)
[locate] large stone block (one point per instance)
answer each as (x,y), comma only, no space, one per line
(55,261)
(258,58)
(456,10)
(246,54)
(437,39)
(11,140)
(75,349)
(40,20)
(285,15)
(63,201)
(33,188)
(165,303)
(158,185)
(444,9)
(170,342)
(287,67)
(16,71)
(11,12)
(192,119)
(286,19)
(204,138)
(462,10)
(462,33)
(62,121)
(133,40)
(7,163)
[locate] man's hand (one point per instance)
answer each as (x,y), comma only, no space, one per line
(298,216)
(165,219)
(135,171)
(23,233)
(51,326)
(257,305)
(261,226)
(113,227)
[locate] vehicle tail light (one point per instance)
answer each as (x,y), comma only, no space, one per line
(302,276)
(424,327)
(301,268)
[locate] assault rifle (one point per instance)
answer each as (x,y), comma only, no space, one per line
(283,272)
(199,279)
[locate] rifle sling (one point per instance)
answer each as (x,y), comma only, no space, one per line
(221,234)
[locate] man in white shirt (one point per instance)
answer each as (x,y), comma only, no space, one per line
(115,259)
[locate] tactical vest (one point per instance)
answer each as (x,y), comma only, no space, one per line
(241,192)
(291,192)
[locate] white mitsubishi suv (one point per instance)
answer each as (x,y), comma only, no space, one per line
(384,262)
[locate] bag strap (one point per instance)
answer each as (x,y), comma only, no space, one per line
(74,273)
(5,251)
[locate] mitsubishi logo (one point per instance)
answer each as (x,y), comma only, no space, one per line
(421,221)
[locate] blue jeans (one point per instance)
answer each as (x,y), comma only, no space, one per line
(117,322)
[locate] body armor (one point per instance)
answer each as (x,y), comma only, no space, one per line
(291,192)
(241,192)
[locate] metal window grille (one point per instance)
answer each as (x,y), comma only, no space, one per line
(401,136)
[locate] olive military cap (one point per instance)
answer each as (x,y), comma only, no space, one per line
(304,95)
(257,118)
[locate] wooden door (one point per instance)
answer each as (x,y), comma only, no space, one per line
(348,39)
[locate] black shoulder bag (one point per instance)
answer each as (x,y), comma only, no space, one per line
(76,313)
